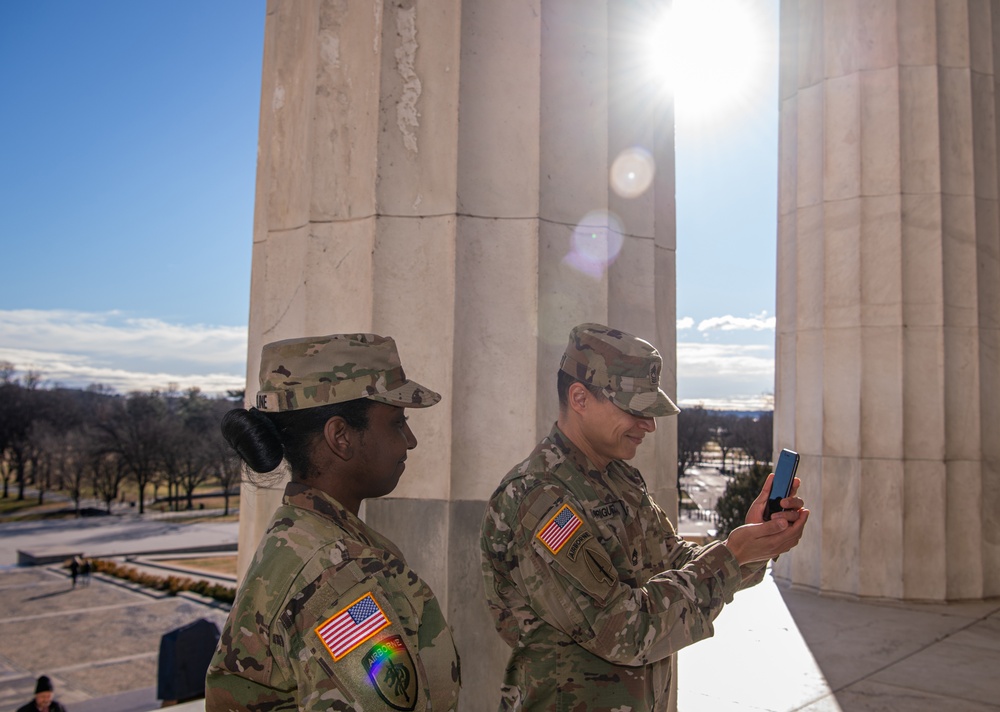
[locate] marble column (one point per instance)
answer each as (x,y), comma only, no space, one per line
(888,372)
(425,170)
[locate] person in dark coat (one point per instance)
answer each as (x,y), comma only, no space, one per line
(44,701)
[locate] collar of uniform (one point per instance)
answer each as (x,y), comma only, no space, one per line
(301,495)
(570,450)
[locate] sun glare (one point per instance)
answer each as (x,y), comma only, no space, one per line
(709,53)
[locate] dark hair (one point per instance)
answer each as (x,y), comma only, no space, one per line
(564,381)
(262,440)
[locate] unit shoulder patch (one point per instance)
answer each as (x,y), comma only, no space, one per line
(392,673)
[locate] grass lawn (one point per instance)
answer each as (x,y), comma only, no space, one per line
(211,564)
(12,505)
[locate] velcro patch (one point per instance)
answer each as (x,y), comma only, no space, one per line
(391,670)
(577,553)
(559,528)
(608,510)
(352,626)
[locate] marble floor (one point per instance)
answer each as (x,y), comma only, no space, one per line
(781,650)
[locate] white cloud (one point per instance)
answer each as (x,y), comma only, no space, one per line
(114,333)
(759,322)
(764,401)
(725,360)
(725,376)
(76,349)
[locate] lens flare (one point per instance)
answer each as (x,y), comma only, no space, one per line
(632,172)
(595,243)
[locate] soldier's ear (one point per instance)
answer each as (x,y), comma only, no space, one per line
(340,437)
(577,397)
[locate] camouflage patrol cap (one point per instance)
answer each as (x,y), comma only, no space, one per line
(626,368)
(319,370)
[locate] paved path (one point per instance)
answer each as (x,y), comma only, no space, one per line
(111,536)
(780,650)
(99,643)
(94,641)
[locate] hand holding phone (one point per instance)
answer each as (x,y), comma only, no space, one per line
(781,485)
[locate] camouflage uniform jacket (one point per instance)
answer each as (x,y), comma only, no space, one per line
(330,617)
(590,585)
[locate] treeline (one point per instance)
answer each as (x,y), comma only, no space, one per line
(747,436)
(94,442)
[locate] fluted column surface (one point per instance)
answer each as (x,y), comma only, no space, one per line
(888,294)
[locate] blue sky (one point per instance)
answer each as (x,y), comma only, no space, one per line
(127,186)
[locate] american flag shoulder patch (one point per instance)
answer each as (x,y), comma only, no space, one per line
(352,626)
(559,528)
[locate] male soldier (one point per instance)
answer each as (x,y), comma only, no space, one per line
(585,576)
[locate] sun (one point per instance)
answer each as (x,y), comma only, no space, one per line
(710,54)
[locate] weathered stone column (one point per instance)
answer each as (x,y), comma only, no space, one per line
(888,370)
(424,167)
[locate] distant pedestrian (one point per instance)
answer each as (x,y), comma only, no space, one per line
(85,569)
(74,569)
(43,701)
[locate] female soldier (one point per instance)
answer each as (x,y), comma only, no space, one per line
(329,616)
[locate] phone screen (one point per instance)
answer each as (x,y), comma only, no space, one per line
(781,486)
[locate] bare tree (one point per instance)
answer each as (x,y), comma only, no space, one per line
(226,464)
(754,436)
(199,425)
(107,472)
(16,416)
(693,426)
(186,460)
(73,462)
(228,471)
(133,427)
(43,453)
(721,433)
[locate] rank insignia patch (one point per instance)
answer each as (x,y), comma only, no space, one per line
(559,529)
(352,626)
(391,670)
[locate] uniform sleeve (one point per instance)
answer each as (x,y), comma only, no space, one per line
(684,551)
(568,579)
(349,640)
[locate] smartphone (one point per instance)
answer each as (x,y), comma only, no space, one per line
(781,486)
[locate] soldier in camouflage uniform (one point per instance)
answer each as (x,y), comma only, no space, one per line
(586,578)
(329,616)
